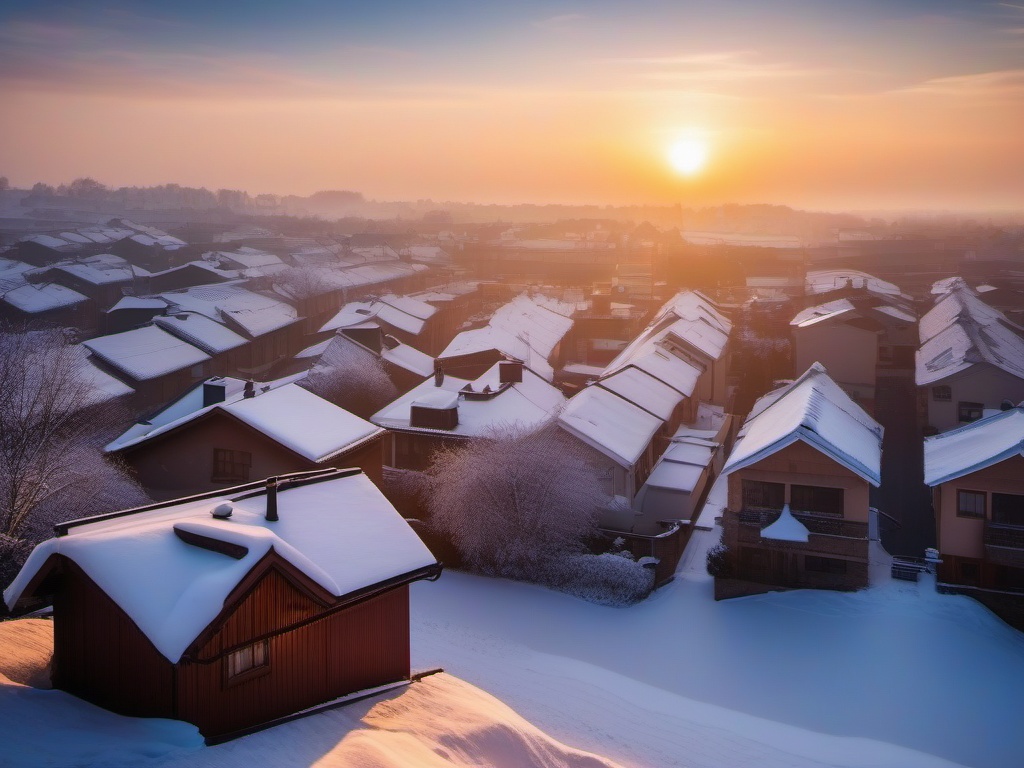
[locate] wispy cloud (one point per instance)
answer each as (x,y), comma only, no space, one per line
(1002,83)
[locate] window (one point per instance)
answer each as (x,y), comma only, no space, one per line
(1008,509)
(970,503)
(824,565)
(811,498)
(970,411)
(230,466)
(249,661)
(942,394)
(764,495)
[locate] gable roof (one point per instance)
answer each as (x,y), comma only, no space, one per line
(610,424)
(337,529)
(815,410)
(145,353)
(961,331)
(974,446)
(254,313)
(293,417)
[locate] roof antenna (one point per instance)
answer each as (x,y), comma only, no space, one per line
(272,483)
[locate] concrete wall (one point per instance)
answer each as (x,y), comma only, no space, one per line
(981,383)
(849,353)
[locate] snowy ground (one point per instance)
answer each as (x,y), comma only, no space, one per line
(895,676)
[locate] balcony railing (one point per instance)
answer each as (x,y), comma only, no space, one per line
(822,525)
(1004,544)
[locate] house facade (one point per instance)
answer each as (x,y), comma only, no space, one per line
(233,609)
(976,473)
(798,492)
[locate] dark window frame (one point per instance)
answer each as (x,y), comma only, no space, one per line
(961,507)
(967,411)
(230,465)
(814,500)
(999,514)
(943,393)
(761,494)
(247,663)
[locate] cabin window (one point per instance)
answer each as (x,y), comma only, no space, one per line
(758,494)
(970,411)
(824,565)
(942,394)
(230,466)
(249,661)
(970,503)
(1008,509)
(811,498)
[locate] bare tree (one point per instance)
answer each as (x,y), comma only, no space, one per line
(512,503)
(351,377)
(303,283)
(52,429)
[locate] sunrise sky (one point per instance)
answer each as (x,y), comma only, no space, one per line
(889,104)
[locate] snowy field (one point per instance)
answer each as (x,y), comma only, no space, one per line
(893,676)
(896,675)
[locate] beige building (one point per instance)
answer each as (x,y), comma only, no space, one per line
(854,336)
(971,360)
(799,479)
(977,476)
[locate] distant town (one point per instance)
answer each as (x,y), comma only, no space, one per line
(243,436)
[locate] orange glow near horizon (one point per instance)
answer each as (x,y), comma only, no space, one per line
(912,110)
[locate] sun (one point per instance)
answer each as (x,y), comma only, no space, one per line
(688,156)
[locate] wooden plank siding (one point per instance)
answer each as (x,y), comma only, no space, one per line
(100,655)
(364,645)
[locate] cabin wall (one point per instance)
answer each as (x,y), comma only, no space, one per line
(979,384)
(356,648)
(100,655)
(963,536)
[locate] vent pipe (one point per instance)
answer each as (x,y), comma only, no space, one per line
(272,483)
(438,375)
(250,389)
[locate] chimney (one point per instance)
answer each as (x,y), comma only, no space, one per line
(438,374)
(250,389)
(272,500)
(510,372)
(213,392)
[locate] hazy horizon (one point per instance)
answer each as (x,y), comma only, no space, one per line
(908,105)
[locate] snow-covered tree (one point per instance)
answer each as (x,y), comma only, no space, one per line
(52,429)
(515,501)
(352,378)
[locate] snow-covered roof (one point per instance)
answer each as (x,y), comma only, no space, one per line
(688,331)
(682,465)
(340,532)
(522,328)
(961,331)
(409,358)
(146,353)
(12,274)
(827,280)
(101,385)
(255,313)
(826,311)
(306,424)
(608,423)
(525,404)
(410,305)
(974,446)
(644,390)
(33,298)
(137,302)
(102,269)
(944,286)
(815,410)
(209,335)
